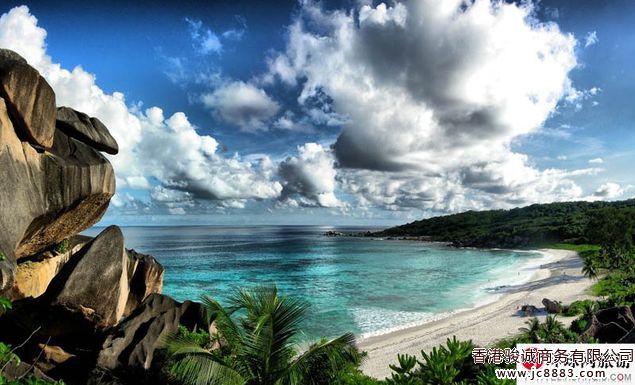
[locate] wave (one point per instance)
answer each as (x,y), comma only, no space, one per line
(378,321)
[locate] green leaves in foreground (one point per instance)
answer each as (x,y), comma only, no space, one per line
(449,364)
(257,344)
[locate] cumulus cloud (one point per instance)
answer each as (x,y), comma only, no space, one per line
(242,104)
(310,175)
(426,76)
(609,190)
(185,164)
(433,93)
(596,161)
(429,95)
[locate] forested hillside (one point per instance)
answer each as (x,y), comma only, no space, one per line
(534,225)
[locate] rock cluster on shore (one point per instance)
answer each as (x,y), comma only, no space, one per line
(88,308)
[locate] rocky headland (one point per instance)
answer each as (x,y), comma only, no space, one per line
(85,310)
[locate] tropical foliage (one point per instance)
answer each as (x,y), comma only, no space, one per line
(449,364)
(535,225)
(256,344)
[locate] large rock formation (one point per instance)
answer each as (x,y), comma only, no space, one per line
(71,292)
(96,278)
(29,98)
(54,186)
(132,344)
(86,129)
(146,277)
(34,274)
(610,325)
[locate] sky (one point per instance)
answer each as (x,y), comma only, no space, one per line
(343,112)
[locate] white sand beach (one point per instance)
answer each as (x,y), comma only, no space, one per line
(558,279)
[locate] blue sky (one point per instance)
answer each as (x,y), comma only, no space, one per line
(344,112)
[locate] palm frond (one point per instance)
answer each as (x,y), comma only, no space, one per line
(204,370)
(225,325)
(177,345)
(335,353)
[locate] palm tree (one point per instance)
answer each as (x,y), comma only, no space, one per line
(589,309)
(258,346)
(533,329)
(590,269)
(553,329)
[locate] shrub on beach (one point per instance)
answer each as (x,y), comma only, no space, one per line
(577,307)
(449,364)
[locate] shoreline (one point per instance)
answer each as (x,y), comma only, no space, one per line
(557,276)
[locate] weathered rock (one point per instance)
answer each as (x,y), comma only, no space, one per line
(8,55)
(629,338)
(610,325)
(146,277)
(622,315)
(133,343)
(34,275)
(47,196)
(528,310)
(86,129)
(552,306)
(52,357)
(30,100)
(96,278)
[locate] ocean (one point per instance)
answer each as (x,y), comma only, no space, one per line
(360,285)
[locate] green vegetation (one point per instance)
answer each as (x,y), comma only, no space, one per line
(579,308)
(583,248)
(535,225)
(257,344)
(63,246)
(5,304)
(449,364)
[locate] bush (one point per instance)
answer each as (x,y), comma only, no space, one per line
(577,307)
(63,246)
(579,325)
(451,364)
(618,287)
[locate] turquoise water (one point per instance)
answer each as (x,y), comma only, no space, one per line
(361,285)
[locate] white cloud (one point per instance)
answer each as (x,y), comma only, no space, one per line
(242,104)
(609,190)
(596,161)
(311,175)
(591,39)
(176,210)
(433,94)
(429,94)
(168,150)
